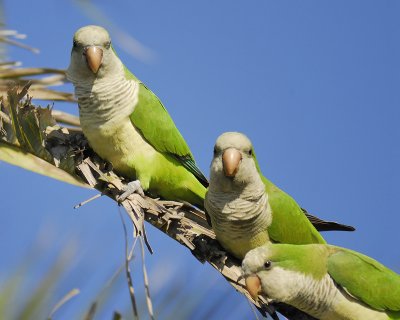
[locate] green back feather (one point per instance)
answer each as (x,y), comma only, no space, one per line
(155,124)
(365,279)
(307,259)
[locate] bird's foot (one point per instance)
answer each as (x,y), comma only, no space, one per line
(218,256)
(130,188)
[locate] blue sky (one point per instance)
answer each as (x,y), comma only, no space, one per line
(314,84)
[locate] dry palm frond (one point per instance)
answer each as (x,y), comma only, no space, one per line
(34,131)
(11,36)
(22,144)
(11,73)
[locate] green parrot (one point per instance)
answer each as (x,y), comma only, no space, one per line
(246,210)
(127,125)
(327,282)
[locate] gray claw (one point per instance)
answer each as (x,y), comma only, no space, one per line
(130,188)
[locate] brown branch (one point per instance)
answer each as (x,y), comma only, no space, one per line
(37,133)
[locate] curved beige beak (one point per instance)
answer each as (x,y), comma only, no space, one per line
(94,56)
(230,160)
(253,286)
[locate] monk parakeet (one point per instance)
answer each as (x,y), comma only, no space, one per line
(127,125)
(327,282)
(245,209)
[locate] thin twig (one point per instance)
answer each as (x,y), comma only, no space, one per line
(111,280)
(146,282)
(91,312)
(66,118)
(64,300)
(18,44)
(128,271)
(88,200)
(12,33)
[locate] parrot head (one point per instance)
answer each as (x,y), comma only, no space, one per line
(264,275)
(281,271)
(233,163)
(92,55)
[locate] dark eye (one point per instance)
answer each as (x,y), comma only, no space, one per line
(250,152)
(107,45)
(215,150)
(267,264)
(74,44)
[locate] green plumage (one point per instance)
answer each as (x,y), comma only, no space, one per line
(327,282)
(156,125)
(289,223)
(246,210)
(365,279)
(127,125)
(308,259)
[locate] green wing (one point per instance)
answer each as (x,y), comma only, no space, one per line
(157,127)
(289,223)
(365,279)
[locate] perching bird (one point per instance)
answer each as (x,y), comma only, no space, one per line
(127,125)
(246,209)
(327,282)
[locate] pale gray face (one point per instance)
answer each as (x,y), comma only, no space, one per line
(254,263)
(233,163)
(270,272)
(92,55)
(257,260)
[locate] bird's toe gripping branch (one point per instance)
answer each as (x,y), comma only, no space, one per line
(130,188)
